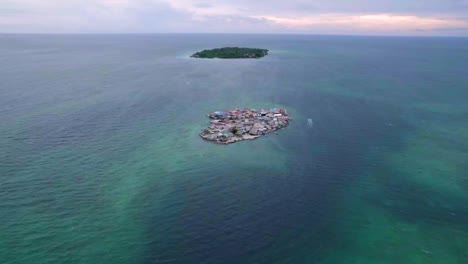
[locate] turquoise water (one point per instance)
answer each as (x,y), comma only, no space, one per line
(101,160)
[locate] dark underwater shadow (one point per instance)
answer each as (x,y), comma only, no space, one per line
(275,216)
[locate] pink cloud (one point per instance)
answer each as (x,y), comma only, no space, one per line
(373,22)
(214,16)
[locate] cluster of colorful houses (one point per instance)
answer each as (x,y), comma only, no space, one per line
(242,124)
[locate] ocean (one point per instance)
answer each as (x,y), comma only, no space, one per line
(101,161)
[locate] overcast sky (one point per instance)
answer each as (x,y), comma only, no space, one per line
(367,17)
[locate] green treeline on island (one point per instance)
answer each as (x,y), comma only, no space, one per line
(232,53)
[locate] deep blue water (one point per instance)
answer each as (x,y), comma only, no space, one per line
(101,161)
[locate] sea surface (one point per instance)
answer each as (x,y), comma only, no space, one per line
(101,162)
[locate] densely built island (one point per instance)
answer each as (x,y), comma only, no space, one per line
(236,125)
(231,53)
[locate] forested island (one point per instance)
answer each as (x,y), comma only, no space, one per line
(231,53)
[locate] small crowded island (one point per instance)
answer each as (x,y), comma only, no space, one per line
(232,126)
(231,53)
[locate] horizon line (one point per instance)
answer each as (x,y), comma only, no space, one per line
(233,33)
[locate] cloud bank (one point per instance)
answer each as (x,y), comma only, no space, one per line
(369,17)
